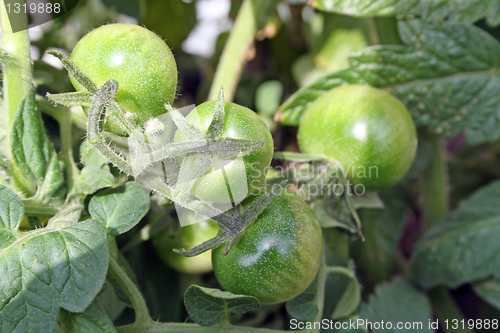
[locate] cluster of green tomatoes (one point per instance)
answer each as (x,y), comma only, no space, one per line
(279,254)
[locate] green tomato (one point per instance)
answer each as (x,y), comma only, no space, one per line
(278,256)
(138,59)
(187,237)
(369,131)
(244,173)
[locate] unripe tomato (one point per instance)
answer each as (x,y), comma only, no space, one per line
(278,256)
(138,59)
(369,131)
(187,237)
(244,173)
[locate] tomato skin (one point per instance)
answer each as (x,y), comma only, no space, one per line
(138,59)
(279,255)
(188,237)
(239,123)
(369,131)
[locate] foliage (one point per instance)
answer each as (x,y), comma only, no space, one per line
(80,206)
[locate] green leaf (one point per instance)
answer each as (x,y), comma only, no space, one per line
(397,301)
(363,312)
(33,152)
(11,209)
(367,200)
(209,307)
(121,208)
(69,213)
(92,178)
(464,11)
(349,301)
(303,307)
(333,216)
(46,269)
(454,86)
(92,320)
(463,247)
(351,296)
(489,290)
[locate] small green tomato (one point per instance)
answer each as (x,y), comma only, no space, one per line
(369,131)
(278,256)
(138,59)
(187,237)
(242,174)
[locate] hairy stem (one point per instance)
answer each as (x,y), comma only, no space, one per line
(435,209)
(16,75)
(37,210)
(16,83)
(142,319)
(237,46)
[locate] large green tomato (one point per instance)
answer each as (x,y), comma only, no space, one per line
(188,237)
(369,131)
(243,173)
(138,59)
(279,255)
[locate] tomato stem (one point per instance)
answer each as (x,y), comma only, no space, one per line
(435,209)
(16,84)
(234,55)
(435,184)
(237,46)
(142,317)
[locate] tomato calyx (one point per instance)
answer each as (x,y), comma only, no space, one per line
(100,99)
(88,97)
(233,224)
(331,173)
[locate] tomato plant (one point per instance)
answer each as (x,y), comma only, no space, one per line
(138,59)
(400,97)
(279,255)
(366,129)
(243,174)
